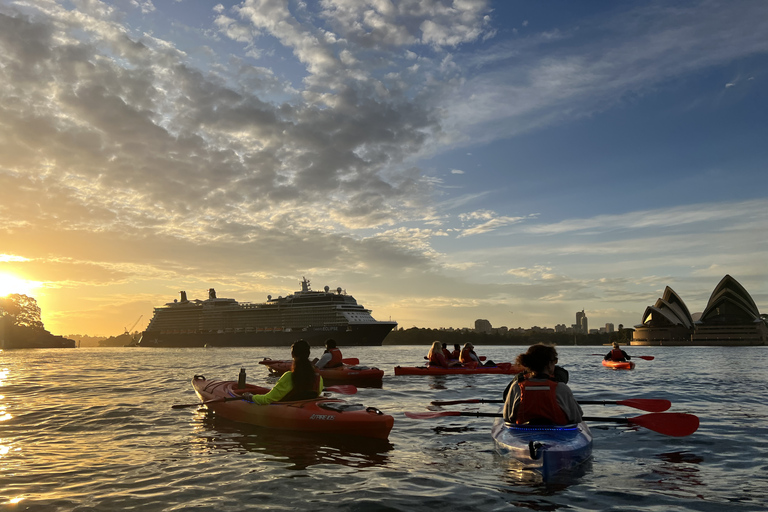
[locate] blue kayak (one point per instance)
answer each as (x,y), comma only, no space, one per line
(547,449)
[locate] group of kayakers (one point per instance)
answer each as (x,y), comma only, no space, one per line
(440,356)
(538,395)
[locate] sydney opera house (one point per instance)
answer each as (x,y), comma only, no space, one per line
(730,318)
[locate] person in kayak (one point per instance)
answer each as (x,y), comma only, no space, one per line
(470,359)
(301,383)
(437,357)
(331,358)
(535,396)
(456,351)
(616,354)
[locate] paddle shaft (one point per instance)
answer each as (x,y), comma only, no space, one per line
(644,404)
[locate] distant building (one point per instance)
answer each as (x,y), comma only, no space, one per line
(609,328)
(730,318)
(581,322)
(483,326)
(561,328)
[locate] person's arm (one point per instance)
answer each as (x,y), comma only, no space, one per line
(474,357)
(568,403)
(283,386)
(324,360)
(608,356)
(626,356)
(512,402)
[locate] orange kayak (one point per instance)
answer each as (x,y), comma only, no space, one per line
(619,365)
(346,374)
(318,415)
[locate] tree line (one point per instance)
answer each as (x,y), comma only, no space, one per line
(21,325)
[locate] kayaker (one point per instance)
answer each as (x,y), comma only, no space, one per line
(535,396)
(456,351)
(331,358)
(446,352)
(616,354)
(470,359)
(301,383)
(437,357)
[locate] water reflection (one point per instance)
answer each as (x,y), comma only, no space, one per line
(300,449)
(517,474)
(680,473)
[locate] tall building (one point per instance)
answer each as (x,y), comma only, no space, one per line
(483,326)
(581,322)
(609,327)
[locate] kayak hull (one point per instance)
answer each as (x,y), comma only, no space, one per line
(500,368)
(320,415)
(346,374)
(546,449)
(619,365)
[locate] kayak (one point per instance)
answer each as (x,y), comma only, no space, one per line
(546,449)
(619,365)
(318,415)
(500,368)
(346,374)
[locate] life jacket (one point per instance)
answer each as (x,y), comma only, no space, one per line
(437,359)
(305,394)
(617,355)
(466,357)
(538,404)
(336,359)
(455,354)
(447,353)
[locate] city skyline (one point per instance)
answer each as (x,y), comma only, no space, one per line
(440,161)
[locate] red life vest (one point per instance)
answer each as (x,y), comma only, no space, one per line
(306,394)
(447,353)
(336,359)
(617,355)
(455,354)
(466,357)
(538,401)
(438,359)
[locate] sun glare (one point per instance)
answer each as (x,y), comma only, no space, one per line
(10,283)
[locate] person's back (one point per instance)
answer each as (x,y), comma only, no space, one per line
(300,383)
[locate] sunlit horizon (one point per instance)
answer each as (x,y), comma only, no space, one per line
(11,284)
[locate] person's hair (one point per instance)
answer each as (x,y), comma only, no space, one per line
(302,368)
(537,358)
(615,344)
(456,346)
(436,348)
(444,345)
(330,343)
(468,345)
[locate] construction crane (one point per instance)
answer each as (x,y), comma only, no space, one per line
(134,325)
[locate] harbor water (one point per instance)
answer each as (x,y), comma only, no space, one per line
(92,429)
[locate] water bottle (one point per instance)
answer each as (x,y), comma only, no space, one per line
(241,379)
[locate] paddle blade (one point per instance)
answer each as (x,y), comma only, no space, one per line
(344,389)
(675,424)
(646,404)
(351,361)
(647,358)
(431,414)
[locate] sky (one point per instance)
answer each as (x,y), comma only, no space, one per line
(440,160)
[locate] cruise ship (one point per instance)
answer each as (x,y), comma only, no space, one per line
(314,316)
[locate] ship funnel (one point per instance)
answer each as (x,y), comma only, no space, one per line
(211,293)
(338,290)
(183,296)
(326,288)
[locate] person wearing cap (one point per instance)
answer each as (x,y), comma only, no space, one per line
(331,358)
(616,354)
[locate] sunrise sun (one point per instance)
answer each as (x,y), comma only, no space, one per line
(10,283)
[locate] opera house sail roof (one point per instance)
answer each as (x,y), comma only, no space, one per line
(730,318)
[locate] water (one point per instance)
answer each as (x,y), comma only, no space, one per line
(93,430)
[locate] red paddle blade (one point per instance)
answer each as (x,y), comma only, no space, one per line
(646,404)
(352,361)
(431,414)
(344,389)
(647,358)
(673,424)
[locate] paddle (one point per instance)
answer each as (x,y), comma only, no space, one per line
(343,389)
(647,358)
(644,404)
(673,424)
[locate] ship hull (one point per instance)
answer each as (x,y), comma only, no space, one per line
(352,335)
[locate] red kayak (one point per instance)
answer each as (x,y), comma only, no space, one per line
(619,365)
(500,368)
(346,374)
(318,415)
